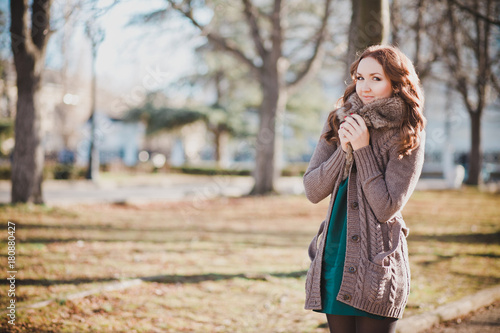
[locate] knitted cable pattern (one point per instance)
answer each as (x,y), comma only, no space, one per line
(378,187)
(381,113)
(393,291)
(364,254)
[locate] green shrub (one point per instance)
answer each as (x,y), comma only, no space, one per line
(63,171)
(211,171)
(5,173)
(289,171)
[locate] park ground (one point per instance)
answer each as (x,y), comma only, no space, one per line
(222,264)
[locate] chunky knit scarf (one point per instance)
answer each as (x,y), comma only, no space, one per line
(381,113)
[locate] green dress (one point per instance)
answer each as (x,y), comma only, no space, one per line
(334,258)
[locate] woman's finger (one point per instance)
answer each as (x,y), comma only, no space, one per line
(360,121)
(349,121)
(343,134)
(352,126)
(356,131)
(343,128)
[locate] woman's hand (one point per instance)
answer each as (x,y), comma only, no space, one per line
(342,137)
(354,130)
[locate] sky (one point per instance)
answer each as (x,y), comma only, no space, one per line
(131,56)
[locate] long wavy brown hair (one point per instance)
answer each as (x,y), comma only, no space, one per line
(405,83)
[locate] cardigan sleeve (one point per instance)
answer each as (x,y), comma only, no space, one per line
(387,191)
(327,163)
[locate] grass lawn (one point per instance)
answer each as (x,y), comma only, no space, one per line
(222,265)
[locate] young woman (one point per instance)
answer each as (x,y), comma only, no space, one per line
(369,158)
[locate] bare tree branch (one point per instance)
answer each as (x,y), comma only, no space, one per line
(19,27)
(303,43)
(469,40)
(264,14)
(251,17)
(484,60)
(104,10)
(455,65)
(277,30)
(495,82)
(317,57)
(396,21)
(40,25)
(219,41)
(418,31)
(464,47)
(476,13)
(425,70)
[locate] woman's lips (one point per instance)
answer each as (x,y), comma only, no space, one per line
(368,98)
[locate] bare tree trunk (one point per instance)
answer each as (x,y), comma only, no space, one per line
(28,48)
(370,23)
(396,22)
(220,130)
(418,34)
(28,158)
(476,152)
(221,147)
(353,36)
(279,162)
(266,138)
(96,36)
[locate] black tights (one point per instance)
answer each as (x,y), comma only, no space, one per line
(355,324)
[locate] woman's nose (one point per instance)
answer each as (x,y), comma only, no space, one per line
(365,86)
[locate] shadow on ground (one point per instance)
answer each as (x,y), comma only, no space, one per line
(182,279)
(473,238)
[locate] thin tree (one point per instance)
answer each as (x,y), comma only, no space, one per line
(70,10)
(224,118)
(96,35)
(29,42)
(275,68)
(470,57)
(417,34)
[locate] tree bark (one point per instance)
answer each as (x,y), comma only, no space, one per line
(28,155)
(418,34)
(96,36)
(266,138)
(28,48)
(93,158)
(476,152)
(221,147)
(396,22)
(370,23)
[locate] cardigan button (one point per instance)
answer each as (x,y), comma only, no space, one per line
(352,269)
(347,297)
(354,205)
(355,238)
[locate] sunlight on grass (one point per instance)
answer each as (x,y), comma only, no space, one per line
(224,265)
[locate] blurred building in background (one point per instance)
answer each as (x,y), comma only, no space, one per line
(118,141)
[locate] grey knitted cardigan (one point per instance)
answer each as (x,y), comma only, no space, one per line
(376,275)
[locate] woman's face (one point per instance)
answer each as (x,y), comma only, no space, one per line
(371,81)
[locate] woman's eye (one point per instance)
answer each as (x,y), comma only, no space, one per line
(359,78)
(377,79)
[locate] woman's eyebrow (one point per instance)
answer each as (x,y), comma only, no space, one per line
(371,74)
